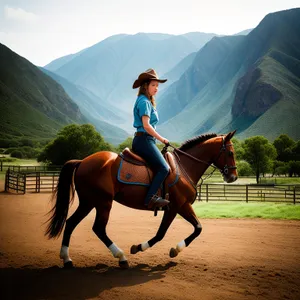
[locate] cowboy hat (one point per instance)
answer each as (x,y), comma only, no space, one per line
(150,74)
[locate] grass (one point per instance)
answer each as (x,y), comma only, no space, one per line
(218,210)
(18,162)
(280,180)
(217,178)
(22,162)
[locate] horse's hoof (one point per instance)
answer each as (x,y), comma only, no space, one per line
(134,249)
(68,265)
(173,252)
(124,264)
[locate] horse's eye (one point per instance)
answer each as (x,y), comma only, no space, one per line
(230,153)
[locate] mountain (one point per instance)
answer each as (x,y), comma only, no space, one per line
(244,32)
(206,63)
(109,68)
(100,114)
(199,39)
(35,106)
(175,73)
(32,104)
(249,83)
(57,63)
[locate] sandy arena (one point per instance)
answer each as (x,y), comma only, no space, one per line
(232,259)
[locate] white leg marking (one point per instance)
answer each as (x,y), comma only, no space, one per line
(117,252)
(145,246)
(64,254)
(180,246)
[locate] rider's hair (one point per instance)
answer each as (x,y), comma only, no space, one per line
(143,90)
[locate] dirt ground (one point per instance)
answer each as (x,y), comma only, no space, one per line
(232,259)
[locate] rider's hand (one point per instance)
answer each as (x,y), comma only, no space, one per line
(166,141)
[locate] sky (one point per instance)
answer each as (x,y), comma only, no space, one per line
(43,30)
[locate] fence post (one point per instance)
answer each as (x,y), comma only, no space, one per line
(18,183)
(6,180)
(294,195)
(246,193)
(207,193)
(37,182)
(1,164)
(25,176)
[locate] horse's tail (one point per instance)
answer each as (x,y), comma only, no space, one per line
(59,212)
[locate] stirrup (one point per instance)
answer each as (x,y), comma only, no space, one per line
(158,203)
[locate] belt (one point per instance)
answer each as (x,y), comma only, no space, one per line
(140,133)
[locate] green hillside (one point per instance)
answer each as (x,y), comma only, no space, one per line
(253,87)
(32,104)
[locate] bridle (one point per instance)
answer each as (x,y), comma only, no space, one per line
(223,171)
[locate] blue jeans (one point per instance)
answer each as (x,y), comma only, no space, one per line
(145,147)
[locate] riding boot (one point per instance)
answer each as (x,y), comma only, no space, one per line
(157,202)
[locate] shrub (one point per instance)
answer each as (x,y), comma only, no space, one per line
(17,154)
(244,168)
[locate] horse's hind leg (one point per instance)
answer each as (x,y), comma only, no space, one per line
(187,212)
(168,218)
(81,212)
(102,215)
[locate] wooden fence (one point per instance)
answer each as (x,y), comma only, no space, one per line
(249,192)
(45,181)
(32,182)
(4,167)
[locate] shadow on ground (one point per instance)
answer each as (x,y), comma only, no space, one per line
(76,283)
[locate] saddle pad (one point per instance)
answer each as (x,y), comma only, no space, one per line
(134,174)
(130,173)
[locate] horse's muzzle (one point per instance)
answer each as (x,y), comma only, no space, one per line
(230,178)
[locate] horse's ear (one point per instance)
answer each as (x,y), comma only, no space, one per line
(230,135)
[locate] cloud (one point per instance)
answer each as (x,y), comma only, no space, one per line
(19,14)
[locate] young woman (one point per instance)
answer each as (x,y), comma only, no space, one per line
(145,120)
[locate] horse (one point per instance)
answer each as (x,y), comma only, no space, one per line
(95,180)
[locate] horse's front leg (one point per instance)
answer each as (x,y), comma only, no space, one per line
(187,212)
(168,218)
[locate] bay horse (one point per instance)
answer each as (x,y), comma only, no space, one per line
(95,181)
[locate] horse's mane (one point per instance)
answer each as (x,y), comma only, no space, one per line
(196,140)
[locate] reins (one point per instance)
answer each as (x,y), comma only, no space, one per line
(196,186)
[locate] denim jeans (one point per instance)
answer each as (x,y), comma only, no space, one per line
(145,147)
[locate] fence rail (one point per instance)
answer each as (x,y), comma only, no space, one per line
(249,192)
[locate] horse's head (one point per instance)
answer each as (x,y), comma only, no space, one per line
(224,160)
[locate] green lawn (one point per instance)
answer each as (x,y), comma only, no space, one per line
(22,162)
(247,210)
(280,180)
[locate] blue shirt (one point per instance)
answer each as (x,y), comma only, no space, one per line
(144,107)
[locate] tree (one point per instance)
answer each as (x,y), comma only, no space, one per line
(296,151)
(279,168)
(238,149)
(126,143)
(259,153)
(294,168)
(283,145)
(73,142)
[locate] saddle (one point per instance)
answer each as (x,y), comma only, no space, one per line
(134,169)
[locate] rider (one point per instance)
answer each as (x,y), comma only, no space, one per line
(145,118)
